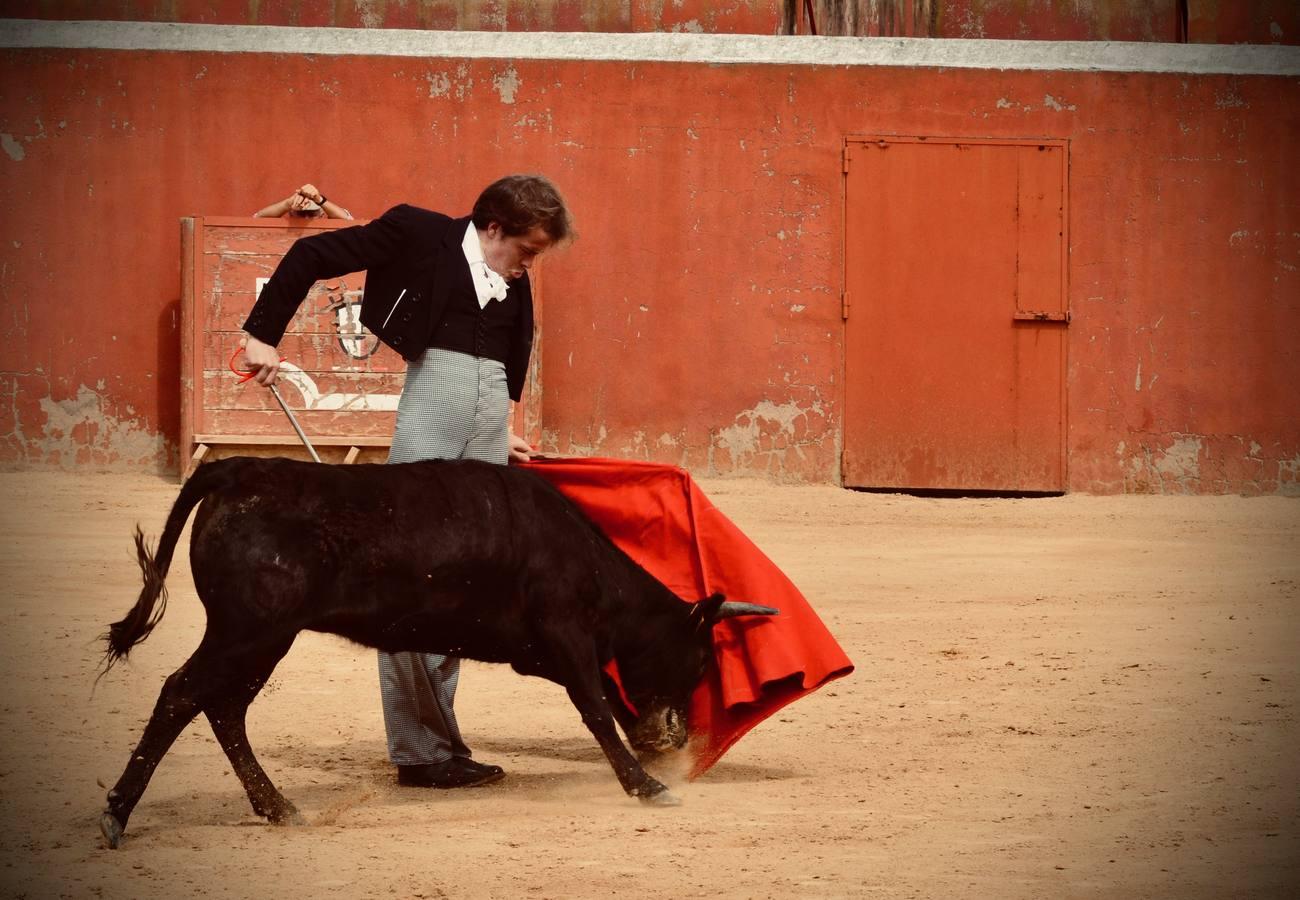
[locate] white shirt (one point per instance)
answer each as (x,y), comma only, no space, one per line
(487,283)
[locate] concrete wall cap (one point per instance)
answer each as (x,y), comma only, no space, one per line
(711,49)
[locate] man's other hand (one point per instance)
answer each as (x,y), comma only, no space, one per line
(519,449)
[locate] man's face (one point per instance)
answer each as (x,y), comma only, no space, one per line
(509,256)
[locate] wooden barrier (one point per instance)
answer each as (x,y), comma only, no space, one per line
(341,383)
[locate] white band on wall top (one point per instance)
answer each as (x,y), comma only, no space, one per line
(714,49)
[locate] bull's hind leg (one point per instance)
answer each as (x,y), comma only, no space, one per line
(227,713)
(178,704)
(222,684)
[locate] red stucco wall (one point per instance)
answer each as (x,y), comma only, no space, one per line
(697,319)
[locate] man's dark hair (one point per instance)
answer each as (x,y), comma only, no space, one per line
(520,203)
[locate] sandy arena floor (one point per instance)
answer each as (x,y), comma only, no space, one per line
(1074,697)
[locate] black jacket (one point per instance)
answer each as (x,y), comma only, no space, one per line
(413,262)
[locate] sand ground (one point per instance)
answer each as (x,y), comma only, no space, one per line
(1068,697)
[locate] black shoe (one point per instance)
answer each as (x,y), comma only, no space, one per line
(449,774)
(489,773)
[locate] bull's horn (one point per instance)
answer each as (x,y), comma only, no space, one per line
(734,608)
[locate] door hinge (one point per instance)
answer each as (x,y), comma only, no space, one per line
(844,305)
(846,159)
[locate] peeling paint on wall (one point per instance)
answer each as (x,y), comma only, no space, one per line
(12,148)
(1288,477)
(1209,464)
(370,12)
(1172,469)
(439,84)
(507,84)
(79,432)
(769,438)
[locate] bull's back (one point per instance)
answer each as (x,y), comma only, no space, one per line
(369,515)
(355,549)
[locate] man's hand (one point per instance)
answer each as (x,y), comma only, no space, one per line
(263,358)
(519,449)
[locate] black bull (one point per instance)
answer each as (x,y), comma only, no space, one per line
(464,558)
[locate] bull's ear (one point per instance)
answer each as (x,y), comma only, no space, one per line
(729,609)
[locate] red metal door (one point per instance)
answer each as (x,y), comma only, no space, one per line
(955,304)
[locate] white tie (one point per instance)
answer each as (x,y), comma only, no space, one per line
(494,284)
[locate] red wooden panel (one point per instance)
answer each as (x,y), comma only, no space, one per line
(340,381)
(262,424)
(311,351)
(342,395)
(189,255)
(945,241)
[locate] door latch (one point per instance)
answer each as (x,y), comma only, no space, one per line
(1031,316)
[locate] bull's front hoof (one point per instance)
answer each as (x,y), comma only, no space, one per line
(112,830)
(663,798)
(290,816)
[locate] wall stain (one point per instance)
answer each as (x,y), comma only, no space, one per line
(12,148)
(507,84)
(79,432)
(768,437)
(1207,464)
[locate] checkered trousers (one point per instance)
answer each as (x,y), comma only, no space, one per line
(453,406)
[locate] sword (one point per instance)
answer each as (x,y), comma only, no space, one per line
(245,374)
(275,391)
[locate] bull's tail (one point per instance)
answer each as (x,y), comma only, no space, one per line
(148,611)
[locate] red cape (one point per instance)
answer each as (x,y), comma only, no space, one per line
(658,516)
